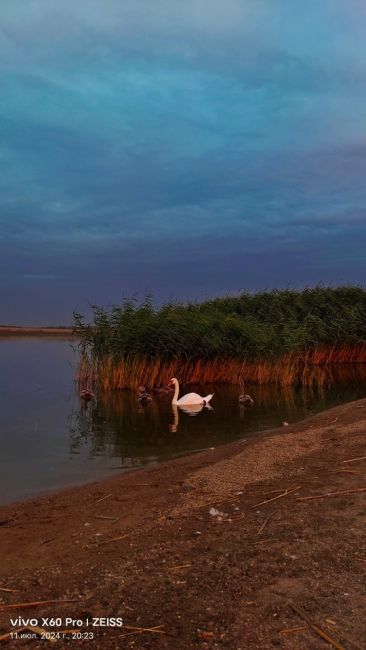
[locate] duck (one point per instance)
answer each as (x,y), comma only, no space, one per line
(244,398)
(162,390)
(189,398)
(142,396)
(87,395)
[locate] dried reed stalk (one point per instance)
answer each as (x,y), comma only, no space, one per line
(279,496)
(324,635)
(332,494)
(317,367)
(36,603)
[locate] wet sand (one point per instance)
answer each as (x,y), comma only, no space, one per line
(143,546)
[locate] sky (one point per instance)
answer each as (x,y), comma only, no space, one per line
(186,149)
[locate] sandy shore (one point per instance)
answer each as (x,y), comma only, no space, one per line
(143,546)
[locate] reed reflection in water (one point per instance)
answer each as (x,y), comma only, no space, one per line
(117,426)
(49,439)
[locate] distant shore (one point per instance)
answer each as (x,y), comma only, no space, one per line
(14,330)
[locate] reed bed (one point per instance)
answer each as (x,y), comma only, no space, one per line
(278,337)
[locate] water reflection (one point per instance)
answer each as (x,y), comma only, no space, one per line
(120,427)
(50,439)
(190,409)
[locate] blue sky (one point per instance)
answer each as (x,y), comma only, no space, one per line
(188,149)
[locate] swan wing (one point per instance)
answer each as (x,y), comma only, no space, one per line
(191,409)
(190,398)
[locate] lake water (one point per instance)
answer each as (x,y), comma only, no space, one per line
(50,440)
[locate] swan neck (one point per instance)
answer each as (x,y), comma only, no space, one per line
(176,393)
(176,418)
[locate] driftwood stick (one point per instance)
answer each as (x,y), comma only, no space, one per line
(345,471)
(139,630)
(179,566)
(353,460)
(235,517)
(332,494)
(105,517)
(316,628)
(345,638)
(262,527)
(40,630)
(8,590)
(216,503)
(37,603)
(280,490)
(289,630)
(102,498)
(137,627)
(279,496)
(5,637)
(108,541)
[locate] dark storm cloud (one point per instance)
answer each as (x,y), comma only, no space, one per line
(187,148)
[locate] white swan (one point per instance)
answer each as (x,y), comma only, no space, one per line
(190,398)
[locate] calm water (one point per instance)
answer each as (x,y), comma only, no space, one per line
(49,440)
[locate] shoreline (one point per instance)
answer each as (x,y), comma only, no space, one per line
(145,547)
(221,452)
(15,330)
(225,448)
